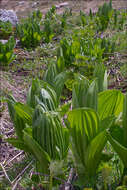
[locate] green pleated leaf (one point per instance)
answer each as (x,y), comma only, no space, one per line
(110,102)
(121,150)
(23,116)
(106,123)
(117,133)
(59,82)
(23,110)
(50,74)
(101,74)
(124,117)
(56,79)
(50,134)
(51,101)
(41,156)
(42,92)
(92,100)
(18,144)
(84,94)
(79,91)
(93,155)
(46,99)
(32,92)
(11,102)
(84,126)
(86,120)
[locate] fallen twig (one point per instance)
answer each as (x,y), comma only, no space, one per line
(13,158)
(22,172)
(68,184)
(5,174)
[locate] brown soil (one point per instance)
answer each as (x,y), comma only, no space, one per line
(15,85)
(23,8)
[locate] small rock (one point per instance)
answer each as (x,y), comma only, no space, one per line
(65,4)
(3,41)
(34,4)
(21,2)
(8,15)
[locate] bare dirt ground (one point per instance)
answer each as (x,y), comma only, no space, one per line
(23,8)
(14,83)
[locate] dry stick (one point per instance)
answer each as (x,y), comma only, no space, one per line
(47,175)
(13,158)
(5,173)
(15,185)
(22,172)
(69,181)
(20,176)
(8,132)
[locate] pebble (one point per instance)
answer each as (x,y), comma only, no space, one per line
(65,4)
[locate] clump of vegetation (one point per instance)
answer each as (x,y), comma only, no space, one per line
(6,29)
(7,52)
(104,15)
(29,31)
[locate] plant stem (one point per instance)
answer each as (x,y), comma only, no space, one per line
(50,181)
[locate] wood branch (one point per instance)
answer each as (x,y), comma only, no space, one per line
(14,158)
(70,179)
(5,174)
(68,185)
(22,172)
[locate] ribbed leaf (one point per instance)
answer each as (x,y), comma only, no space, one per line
(118,136)
(22,109)
(101,74)
(110,102)
(84,126)
(23,116)
(41,91)
(78,92)
(86,120)
(18,144)
(38,152)
(48,96)
(59,82)
(93,155)
(20,114)
(11,102)
(50,134)
(125,120)
(117,133)
(92,100)
(33,90)
(121,150)
(84,95)
(46,99)
(50,74)
(106,123)
(56,79)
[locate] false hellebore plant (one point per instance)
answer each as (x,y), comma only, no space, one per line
(91,115)
(41,132)
(39,128)
(117,136)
